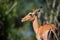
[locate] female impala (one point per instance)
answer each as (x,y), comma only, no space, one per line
(41,31)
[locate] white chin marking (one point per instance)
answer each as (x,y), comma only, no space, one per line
(22,21)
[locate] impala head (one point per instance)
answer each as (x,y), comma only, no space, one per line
(30,16)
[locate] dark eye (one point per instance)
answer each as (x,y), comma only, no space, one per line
(30,14)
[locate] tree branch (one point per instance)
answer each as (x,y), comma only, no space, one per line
(8,11)
(54,3)
(57,12)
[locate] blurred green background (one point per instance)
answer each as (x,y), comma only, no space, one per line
(11,12)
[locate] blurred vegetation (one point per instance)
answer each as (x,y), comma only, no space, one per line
(11,12)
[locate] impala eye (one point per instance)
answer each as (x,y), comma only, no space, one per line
(30,14)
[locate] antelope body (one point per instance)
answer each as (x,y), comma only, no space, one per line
(40,30)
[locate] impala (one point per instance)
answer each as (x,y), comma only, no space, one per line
(42,31)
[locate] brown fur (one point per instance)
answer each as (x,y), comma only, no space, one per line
(40,30)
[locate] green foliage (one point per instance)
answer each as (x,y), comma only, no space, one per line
(22,8)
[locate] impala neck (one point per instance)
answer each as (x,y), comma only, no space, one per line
(35,24)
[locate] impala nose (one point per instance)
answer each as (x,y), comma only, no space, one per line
(22,20)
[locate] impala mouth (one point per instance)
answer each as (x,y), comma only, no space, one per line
(22,20)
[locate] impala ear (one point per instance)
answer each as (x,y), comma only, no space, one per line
(36,11)
(39,10)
